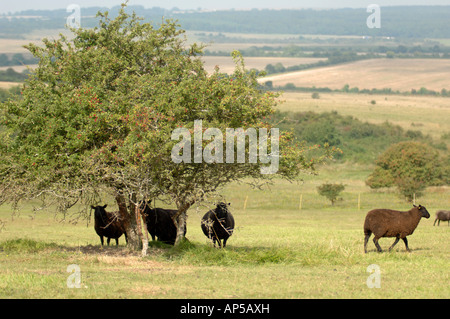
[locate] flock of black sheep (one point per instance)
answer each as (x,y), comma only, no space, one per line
(217,224)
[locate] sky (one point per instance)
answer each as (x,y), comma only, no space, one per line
(19,5)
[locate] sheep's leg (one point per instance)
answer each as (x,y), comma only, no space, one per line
(406,244)
(225,242)
(366,239)
(375,241)
(101,240)
(108,240)
(395,243)
(435,222)
(117,241)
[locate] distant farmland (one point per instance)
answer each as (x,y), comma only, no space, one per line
(226,63)
(397,74)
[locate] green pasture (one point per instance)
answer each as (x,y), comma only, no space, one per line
(277,250)
(424,113)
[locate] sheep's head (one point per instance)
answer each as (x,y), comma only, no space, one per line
(222,210)
(423,211)
(99,210)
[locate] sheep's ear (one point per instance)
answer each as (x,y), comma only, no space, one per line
(92,206)
(105,205)
(414,205)
(419,207)
(229,204)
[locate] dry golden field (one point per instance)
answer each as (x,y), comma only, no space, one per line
(397,74)
(7,85)
(227,66)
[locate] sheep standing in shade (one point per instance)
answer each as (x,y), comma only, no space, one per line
(218,224)
(443,215)
(392,223)
(160,223)
(109,224)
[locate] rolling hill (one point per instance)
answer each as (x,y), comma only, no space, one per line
(397,74)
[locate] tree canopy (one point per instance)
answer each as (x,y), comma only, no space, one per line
(410,166)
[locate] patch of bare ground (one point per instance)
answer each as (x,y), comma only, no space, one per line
(120,258)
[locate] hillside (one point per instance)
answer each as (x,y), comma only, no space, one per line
(397,74)
(359,140)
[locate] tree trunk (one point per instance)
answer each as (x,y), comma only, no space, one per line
(131,226)
(144,237)
(181,227)
(180,222)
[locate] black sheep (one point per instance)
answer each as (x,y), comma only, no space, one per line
(160,223)
(109,224)
(443,215)
(392,223)
(218,224)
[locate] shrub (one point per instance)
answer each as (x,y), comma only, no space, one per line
(330,191)
(410,166)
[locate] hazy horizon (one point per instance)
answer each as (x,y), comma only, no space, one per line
(20,5)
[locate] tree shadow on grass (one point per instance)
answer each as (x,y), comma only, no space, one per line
(207,254)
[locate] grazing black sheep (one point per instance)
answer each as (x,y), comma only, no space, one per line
(392,223)
(160,223)
(109,224)
(218,224)
(443,215)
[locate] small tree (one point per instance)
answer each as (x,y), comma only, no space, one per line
(330,191)
(410,166)
(315,95)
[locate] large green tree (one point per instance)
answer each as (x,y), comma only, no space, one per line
(99,113)
(409,166)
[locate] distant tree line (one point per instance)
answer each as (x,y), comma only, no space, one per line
(17,59)
(426,50)
(400,21)
(392,48)
(9,75)
(336,58)
(347,89)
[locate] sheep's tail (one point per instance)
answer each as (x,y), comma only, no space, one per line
(367,230)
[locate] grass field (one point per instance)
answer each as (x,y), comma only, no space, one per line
(397,74)
(276,251)
(425,113)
